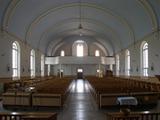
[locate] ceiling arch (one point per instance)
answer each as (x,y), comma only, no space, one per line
(123,21)
(102,25)
(53,48)
(40,22)
(71,5)
(151,13)
(103,40)
(107,11)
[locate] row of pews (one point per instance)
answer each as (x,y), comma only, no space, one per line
(49,92)
(28,116)
(145,115)
(38,92)
(52,92)
(106,90)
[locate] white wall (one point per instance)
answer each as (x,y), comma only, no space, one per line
(71,69)
(79,60)
(6,41)
(154,56)
(5,56)
(89,49)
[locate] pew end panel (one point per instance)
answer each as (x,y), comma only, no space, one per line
(16,99)
(40,116)
(141,115)
(109,99)
(28,116)
(52,100)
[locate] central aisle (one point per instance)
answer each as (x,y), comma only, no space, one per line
(80,105)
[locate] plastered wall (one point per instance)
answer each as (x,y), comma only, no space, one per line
(154,56)
(89,50)
(6,41)
(71,69)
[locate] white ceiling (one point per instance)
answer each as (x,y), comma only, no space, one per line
(114,23)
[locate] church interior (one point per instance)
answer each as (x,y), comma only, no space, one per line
(79,59)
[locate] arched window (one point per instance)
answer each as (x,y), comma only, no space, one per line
(42,65)
(15,60)
(32,63)
(62,53)
(80,49)
(97,53)
(117,65)
(145,58)
(127,62)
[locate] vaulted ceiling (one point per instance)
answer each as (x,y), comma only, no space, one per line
(116,24)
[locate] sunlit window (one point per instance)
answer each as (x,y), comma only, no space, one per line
(15,60)
(79,70)
(98,70)
(62,53)
(42,65)
(127,62)
(80,49)
(97,53)
(145,59)
(32,63)
(117,64)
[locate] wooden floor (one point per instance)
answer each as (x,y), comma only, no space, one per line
(80,105)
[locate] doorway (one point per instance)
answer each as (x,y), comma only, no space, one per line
(79,73)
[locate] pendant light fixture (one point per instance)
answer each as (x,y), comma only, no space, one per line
(80,27)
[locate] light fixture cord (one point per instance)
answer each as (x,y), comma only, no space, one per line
(80,12)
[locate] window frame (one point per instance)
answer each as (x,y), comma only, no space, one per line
(127,63)
(15,60)
(97,53)
(144,56)
(32,63)
(80,49)
(62,53)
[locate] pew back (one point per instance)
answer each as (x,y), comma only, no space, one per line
(144,115)
(28,116)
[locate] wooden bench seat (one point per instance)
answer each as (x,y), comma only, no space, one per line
(39,99)
(28,116)
(16,98)
(143,98)
(50,92)
(107,90)
(142,115)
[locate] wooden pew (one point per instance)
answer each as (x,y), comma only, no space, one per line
(28,116)
(106,90)
(144,115)
(3,84)
(49,100)
(16,99)
(49,92)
